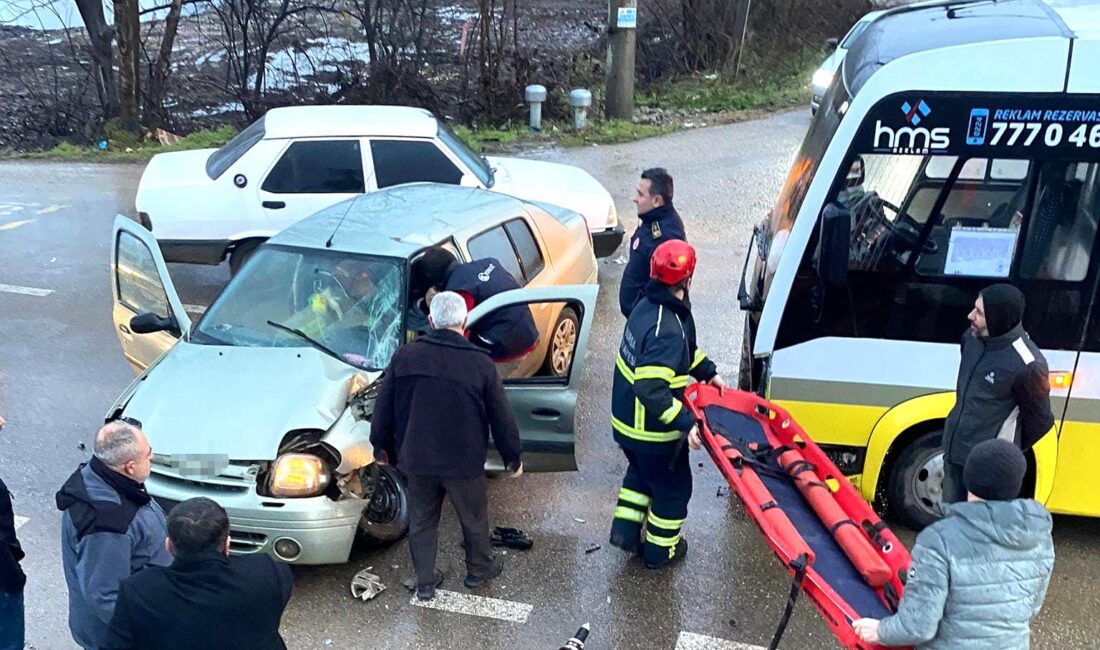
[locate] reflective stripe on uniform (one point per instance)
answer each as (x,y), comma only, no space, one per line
(671,525)
(629,514)
(635,497)
(661,541)
(628,374)
(699,358)
(643,435)
(671,412)
(654,372)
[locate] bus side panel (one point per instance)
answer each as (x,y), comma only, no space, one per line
(1076,490)
(898,420)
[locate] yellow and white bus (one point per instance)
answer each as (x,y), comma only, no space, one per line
(958,146)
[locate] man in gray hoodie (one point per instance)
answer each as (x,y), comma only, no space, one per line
(979,575)
(111,528)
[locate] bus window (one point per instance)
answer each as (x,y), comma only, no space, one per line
(1063,222)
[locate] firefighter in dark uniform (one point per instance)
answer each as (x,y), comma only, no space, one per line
(657,358)
(508,333)
(659,223)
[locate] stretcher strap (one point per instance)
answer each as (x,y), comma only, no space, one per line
(842,522)
(874,531)
(799,565)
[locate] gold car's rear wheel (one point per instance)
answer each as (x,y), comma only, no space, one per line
(563,343)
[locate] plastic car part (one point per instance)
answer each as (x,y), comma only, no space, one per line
(366,585)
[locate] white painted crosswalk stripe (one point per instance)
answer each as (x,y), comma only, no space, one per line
(25,291)
(502,610)
(19,521)
(691,641)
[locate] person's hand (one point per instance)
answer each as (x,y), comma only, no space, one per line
(519,471)
(381,457)
(429,295)
(1,423)
(695,440)
(355,359)
(718,383)
(866,629)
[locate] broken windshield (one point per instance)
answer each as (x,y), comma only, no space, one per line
(349,304)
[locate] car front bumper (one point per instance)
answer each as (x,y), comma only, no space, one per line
(605,242)
(323,529)
(191,251)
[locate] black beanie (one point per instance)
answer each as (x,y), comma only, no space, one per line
(995,470)
(1004,308)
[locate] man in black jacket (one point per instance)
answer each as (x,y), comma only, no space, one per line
(205,599)
(1003,389)
(508,333)
(12,578)
(659,223)
(439,400)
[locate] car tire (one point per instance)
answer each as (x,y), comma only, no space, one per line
(563,344)
(386,517)
(915,487)
(241,253)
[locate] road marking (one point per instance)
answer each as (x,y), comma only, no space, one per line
(15,224)
(690,641)
(502,610)
(26,291)
(194,309)
(51,208)
(19,521)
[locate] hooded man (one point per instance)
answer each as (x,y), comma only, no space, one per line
(978,576)
(110,528)
(1003,389)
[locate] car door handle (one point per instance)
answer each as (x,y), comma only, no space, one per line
(274,205)
(545,414)
(124,329)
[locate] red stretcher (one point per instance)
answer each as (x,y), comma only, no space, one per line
(839,552)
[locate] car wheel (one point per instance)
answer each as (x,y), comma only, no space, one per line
(241,253)
(915,488)
(386,517)
(563,341)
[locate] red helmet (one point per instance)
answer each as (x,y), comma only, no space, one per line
(672,262)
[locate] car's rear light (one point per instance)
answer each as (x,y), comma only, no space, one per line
(1061,380)
(144,220)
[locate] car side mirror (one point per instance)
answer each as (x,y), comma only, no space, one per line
(149,323)
(832,43)
(469,180)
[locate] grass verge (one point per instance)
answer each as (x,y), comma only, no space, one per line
(129,149)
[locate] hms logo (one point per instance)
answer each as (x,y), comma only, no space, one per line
(912,139)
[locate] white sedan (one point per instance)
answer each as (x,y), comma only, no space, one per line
(208,204)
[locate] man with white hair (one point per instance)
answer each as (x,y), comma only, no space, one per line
(111,528)
(439,401)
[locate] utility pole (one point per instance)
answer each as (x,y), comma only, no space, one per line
(742,29)
(622,20)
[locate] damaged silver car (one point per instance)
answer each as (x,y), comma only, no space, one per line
(264,404)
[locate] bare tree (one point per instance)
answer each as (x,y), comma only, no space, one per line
(100,39)
(155,115)
(128,35)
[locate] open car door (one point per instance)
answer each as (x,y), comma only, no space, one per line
(148,315)
(545,405)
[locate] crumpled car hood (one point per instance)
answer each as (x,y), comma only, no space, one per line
(236,401)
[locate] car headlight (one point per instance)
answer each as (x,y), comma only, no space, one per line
(612,216)
(298,475)
(822,78)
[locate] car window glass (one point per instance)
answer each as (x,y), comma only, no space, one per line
(530,257)
(411,161)
(1062,230)
(495,243)
(139,284)
(351,304)
(231,151)
(318,167)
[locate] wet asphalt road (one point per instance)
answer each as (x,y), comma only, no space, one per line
(61,368)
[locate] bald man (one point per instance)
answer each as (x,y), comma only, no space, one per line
(111,528)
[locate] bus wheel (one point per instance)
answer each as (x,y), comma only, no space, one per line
(915,487)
